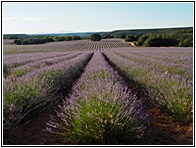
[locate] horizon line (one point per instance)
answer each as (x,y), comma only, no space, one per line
(60,32)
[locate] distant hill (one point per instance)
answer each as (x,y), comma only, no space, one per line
(14,36)
(81,34)
(115,33)
(85,34)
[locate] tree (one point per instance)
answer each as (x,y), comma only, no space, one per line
(34,41)
(61,38)
(76,38)
(68,38)
(25,42)
(130,38)
(48,39)
(56,38)
(137,36)
(186,43)
(123,36)
(158,40)
(107,36)
(152,42)
(141,40)
(17,41)
(95,37)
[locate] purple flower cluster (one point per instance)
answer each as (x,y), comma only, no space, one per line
(20,59)
(21,70)
(38,88)
(181,66)
(166,91)
(62,46)
(102,45)
(83,45)
(100,108)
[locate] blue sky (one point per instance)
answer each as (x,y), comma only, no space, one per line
(48,17)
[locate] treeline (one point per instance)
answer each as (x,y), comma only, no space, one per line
(180,38)
(118,33)
(141,37)
(28,39)
(14,36)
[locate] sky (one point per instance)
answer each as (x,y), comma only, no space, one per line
(65,17)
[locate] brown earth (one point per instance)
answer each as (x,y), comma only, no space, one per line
(33,132)
(131,43)
(165,131)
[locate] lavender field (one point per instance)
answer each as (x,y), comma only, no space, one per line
(103,93)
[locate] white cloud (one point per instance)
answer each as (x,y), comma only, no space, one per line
(10,18)
(24,19)
(40,18)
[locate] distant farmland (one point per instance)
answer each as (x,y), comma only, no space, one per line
(83,45)
(103,93)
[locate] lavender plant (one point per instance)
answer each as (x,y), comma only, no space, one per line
(97,46)
(38,89)
(100,109)
(161,65)
(15,60)
(22,70)
(45,48)
(171,94)
(63,46)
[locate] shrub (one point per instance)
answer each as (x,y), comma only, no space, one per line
(25,42)
(17,41)
(141,40)
(186,43)
(95,37)
(123,36)
(130,38)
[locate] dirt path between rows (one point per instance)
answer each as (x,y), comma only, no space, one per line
(33,132)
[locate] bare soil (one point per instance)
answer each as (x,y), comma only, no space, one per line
(163,130)
(33,132)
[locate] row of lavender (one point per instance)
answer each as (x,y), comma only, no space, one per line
(48,47)
(33,91)
(99,46)
(172,92)
(175,62)
(170,54)
(63,46)
(17,67)
(14,60)
(100,109)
